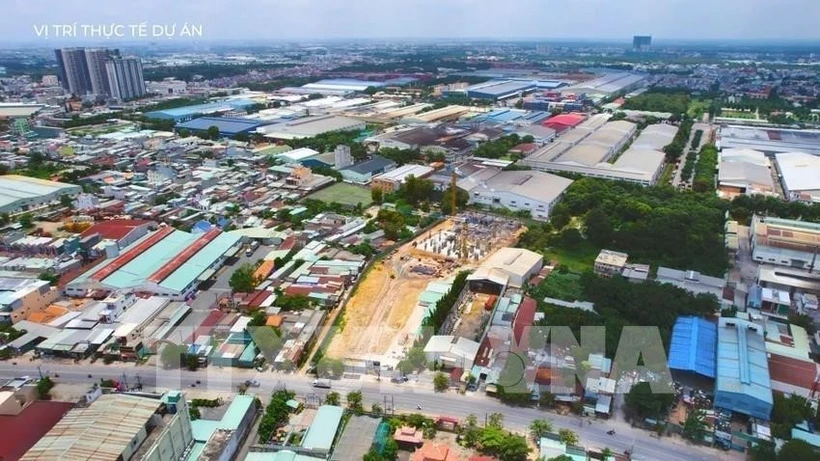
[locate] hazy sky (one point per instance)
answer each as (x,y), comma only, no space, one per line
(316,19)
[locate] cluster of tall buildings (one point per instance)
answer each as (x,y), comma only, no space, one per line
(101,72)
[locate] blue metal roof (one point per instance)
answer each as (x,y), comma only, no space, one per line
(743,383)
(225,125)
(694,346)
(188,111)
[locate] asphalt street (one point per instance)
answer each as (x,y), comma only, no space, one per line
(401,397)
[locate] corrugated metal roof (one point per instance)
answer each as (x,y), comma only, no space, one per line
(321,433)
(102,431)
(694,346)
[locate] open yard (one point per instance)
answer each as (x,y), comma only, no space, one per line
(383,316)
(343,193)
(697,107)
(579,259)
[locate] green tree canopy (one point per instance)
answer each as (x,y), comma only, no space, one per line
(242,280)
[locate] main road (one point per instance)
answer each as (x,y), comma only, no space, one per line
(402,397)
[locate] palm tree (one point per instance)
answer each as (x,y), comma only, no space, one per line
(539,428)
(332,398)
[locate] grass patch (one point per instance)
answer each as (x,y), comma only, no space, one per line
(697,107)
(565,286)
(579,259)
(344,194)
(666,175)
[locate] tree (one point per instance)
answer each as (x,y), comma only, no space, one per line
(496,420)
(191,361)
(417,357)
(242,280)
(694,428)
(354,400)
(798,450)
(561,458)
(441,382)
(50,276)
(377,194)
(788,411)
(258,318)
(44,386)
(376,409)
(567,436)
(598,227)
(462,197)
(333,398)
(66,201)
(242,137)
(546,399)
(539,428)
(213,132)
(494,441)
(184,132)
(647,404)
(25,220)
(172,354)
(330,367)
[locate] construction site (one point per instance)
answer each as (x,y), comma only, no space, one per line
(384,315)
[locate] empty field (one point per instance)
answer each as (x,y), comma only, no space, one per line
(343,193)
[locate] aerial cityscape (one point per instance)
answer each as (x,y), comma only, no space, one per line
(432,231)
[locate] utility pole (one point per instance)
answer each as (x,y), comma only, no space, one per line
(40,371)
(139,383)
(125,381)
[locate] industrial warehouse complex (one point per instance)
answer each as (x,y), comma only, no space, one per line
(167,262)
(262,257)
(588,148)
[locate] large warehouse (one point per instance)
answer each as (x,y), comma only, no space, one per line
(769,140)
(499,89)
(309,127)
(227,126)
(743,383)
(181,114)
(694,346)
(167,262)
(21,193)
(607,85)
(532,191)
(785,242)
(799,175)
(588,148)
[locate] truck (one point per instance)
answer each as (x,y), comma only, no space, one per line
(321,383)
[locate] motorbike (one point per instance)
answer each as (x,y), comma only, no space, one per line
(610,432)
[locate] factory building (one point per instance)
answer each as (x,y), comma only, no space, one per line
(785,242)
(392,180)
(182,114)
(799,175)
(228,127)
(309,127)
(743,383)
(167,262)
(532,191)
(497,90)
(22,193)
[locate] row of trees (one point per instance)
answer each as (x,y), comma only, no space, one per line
(705,169)
(276,415)
(444,305)
(689,165)
(675,149)
(493,439)
(696,139)
(744,206)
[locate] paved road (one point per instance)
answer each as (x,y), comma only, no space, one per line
(403,397)
(203,303)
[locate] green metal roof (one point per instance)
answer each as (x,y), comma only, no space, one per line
(430,297)
(238,409)
(196,450)
(140,268)
(199,263)
(321,433)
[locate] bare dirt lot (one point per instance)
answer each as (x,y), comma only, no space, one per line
(382,317)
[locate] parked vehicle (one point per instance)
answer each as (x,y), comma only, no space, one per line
(252,383)
(321,383)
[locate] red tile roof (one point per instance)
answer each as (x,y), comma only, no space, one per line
(434,452)
(22,431)
(114,229)
(523,320)
(792,371)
